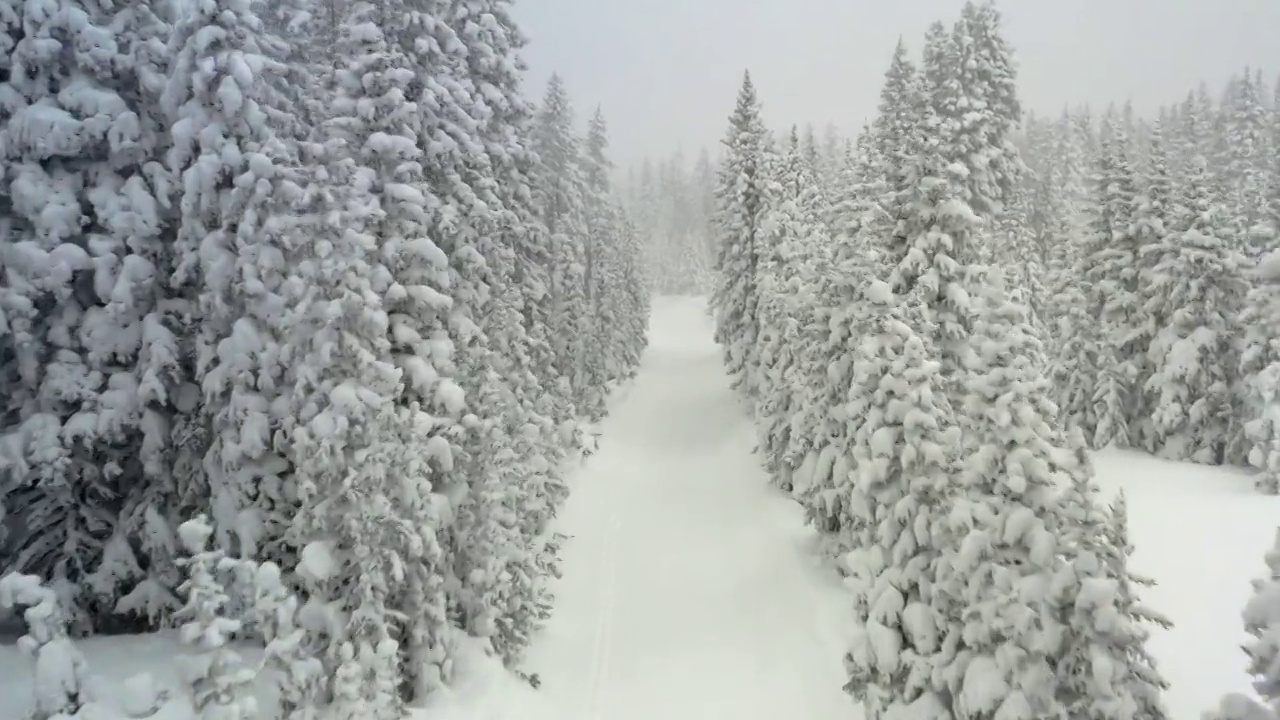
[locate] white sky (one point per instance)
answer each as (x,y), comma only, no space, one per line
(666,71)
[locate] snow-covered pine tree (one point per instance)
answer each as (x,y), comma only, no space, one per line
(289,652)
(904,452)
(90,345)
(1103,669)
(704,183)
(1259,373)
(615,286)
(742,201)
(1153,219)
(349,440)
(1045,218)
(982,101)
(561,197)
(60,668)
(503,554)
(221,682)
(796,258)
(1246,158)
(1144,680)
(1200,276)
(377,120)
(883,152)
(862,221)
(1108,271)
(495,68)
(933,247)
(855,192)
(234,177)
(1002,522)
(1262,622)
(1074,330)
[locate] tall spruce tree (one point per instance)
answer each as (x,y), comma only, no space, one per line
(91,342)
(742,200)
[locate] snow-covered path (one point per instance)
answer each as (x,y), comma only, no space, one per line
(690,589)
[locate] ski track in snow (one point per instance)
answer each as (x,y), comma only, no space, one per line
(691,588)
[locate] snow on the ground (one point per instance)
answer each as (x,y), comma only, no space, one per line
(692,590)
(1200,532)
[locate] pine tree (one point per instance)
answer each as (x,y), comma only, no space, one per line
(1199,275)
(1075,357)
(932,246)
(982,101)
(1245,163)
(796,254)
(1153,220)
(742,197)
(220,679)
(1108,272)
(90,346)
(512,456)
(350,525)
(564,213)
(1259,373)
(904,455)
(1262,622)
(60,671)
(1002,518)
(1144,679)
(235,177)
(616,293)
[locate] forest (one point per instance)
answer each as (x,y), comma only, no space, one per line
(310,317)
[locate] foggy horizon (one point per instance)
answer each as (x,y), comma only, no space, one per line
(666,72)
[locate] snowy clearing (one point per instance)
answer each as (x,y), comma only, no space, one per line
(692,590)
(1200,533)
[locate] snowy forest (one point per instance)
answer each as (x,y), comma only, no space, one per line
(935,329)
(310,314)
(305,309)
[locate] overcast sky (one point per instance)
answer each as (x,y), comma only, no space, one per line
(666,71)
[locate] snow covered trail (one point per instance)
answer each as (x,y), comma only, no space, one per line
(690,588)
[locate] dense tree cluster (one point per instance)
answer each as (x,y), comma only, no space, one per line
(888,324)
(321,273)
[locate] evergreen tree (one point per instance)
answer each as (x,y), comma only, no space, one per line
(1199,275)
(1108,270)
(235,176)
(796,253)
(1153,220)
(376,402)
(1247,153)
(92,364)
(1259,372)
(1144,679)
(1262,622)
(904,455)
(742,197)
(561,198)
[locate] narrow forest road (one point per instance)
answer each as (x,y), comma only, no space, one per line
(690,588)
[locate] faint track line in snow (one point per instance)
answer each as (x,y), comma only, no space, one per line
(603,640)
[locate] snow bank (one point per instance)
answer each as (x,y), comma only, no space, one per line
(1200,532)
(484,689)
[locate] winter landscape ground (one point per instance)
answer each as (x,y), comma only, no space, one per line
(693,589)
